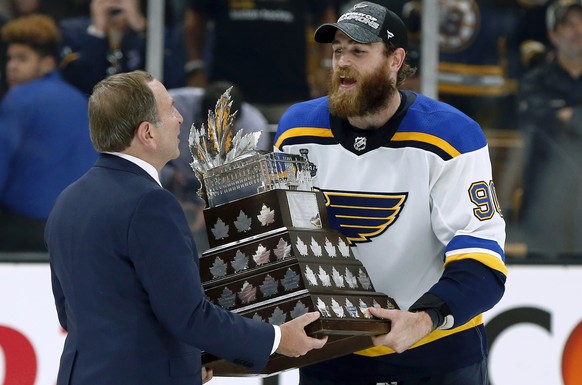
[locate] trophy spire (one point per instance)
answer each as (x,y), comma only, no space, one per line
(230,167)
(217,144)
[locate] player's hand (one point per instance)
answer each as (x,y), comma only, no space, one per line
(294,341)
(206,375)
(406,328)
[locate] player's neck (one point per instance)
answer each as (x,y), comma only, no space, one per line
(378,119)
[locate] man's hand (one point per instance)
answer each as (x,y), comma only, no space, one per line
(407,328)
(206,375)
(294,341)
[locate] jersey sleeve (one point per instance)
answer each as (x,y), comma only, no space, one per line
(467,218)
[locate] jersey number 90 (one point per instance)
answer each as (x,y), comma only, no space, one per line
(483,195)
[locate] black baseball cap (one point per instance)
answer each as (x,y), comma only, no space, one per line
(367,23)
(557,11)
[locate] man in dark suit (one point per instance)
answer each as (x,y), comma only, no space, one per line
(124,264)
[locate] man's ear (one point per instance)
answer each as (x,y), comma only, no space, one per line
(397,59)
(144,134)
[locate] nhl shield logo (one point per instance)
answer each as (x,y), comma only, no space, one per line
(360,143)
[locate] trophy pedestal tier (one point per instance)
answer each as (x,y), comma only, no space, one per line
(287,278)
(344,318)
(344,313)
(262,213)
(260,252)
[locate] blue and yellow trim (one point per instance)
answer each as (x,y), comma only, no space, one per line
(488,260)
(298,132)
(429,139)
(401,139)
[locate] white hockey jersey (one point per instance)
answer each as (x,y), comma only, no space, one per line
(414,197)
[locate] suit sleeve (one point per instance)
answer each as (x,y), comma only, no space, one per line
(59,299)
(165,259)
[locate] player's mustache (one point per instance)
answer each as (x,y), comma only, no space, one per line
(346,73)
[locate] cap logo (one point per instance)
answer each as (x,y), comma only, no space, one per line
(358,6)
(362,18)
(389,34)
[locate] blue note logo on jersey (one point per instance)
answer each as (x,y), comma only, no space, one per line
(362,216)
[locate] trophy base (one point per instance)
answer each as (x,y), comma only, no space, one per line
(344,338)
(344,319)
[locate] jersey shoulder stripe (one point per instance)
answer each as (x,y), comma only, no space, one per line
(440,125)
(305,122)
(424,141)
(299,135)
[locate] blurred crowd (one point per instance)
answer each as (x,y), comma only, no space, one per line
(513,66)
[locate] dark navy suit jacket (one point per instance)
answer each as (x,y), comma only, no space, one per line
(127,289)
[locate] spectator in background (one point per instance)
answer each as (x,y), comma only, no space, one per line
(193,104)
(44,135)
(12,9)
(57,9)
(3,85)
(245,48)
(550,117)
(113,40)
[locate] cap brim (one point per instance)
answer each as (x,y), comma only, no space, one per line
(326,33)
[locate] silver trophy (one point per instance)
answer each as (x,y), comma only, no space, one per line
(229,166)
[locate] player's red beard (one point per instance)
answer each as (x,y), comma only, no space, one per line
(372,93)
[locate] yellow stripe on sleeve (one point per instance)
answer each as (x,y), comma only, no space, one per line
(487,259)
(304,131)
(427,138)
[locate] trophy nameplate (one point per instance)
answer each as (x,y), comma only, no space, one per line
(273,255)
